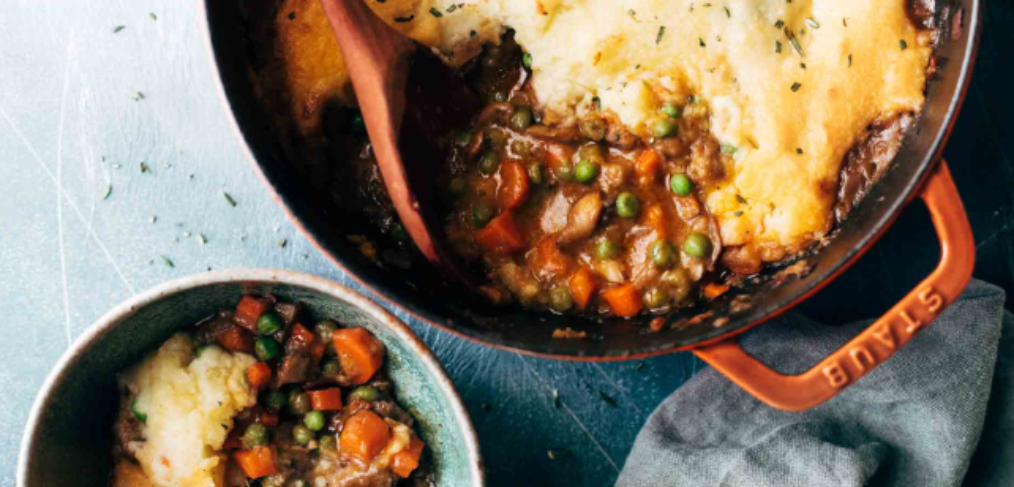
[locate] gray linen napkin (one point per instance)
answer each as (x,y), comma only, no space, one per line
(916,420)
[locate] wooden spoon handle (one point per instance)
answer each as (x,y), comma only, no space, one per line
(377,58)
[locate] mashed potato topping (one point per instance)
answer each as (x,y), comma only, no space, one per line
(791,85)
(190,404)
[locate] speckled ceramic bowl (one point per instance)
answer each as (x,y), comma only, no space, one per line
(68,437)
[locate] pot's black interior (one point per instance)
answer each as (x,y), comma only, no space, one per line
(420,291)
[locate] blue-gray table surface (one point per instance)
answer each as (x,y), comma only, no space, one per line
(83,103)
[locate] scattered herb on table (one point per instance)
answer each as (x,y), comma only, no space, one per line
(282,242)
(145,168)
(661,32)
(607,398)
(556,397)
(153,218)
(153,16)
(794,42)
(228,199)
(639,367)
(167,261)
(201,239)
(108,191)
(118,28)
(138,96)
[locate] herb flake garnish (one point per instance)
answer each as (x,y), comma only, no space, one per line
(228,199)
(661,32)
(799,150)
(741,200)
(701,42)
(796,86)
(728,13)
(903,44)
(729,149)
(812,23)
(451,8)
(402,20)
(778,47)
(779,24)
(436,13)
(794,42)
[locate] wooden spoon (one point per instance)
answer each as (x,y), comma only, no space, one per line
(408,98)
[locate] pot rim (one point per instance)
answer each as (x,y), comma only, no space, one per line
(105,324)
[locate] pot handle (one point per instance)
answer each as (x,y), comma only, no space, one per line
(885,336)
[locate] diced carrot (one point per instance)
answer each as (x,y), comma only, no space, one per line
(236,339)
(302,333)
(269,418)
(364,436)
(513,190)
(405,461)
(548,262)
(360,354)
(582,286)
(648,164)
(249,311)
(623,299)
(657,324)
(256,462)
(501,236)
(713,290)
(258,375)
(655,217)
(326,399)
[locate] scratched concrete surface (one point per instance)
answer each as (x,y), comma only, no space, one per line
(74,126)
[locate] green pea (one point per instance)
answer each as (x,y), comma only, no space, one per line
(697,245)
(521,119)
(269,324)
(330,368)
(358,124)
(325,329)
(265,348)
(521,148)
(671,111)
(663,127)
(535,173)
(676,278)
(560,299)
(481,214)
(366,393)
(655,297)
(488,163)
(627,205)
(328,444)
(314,420)
(526,59)
(606,249)
(586,171)
(302,435)
(680,184)
(299,402)
(255,435)
(661,253)
(565,172)
(457,187)
(274,400)
(140,415)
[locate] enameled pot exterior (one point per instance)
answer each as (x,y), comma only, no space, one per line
(429,299)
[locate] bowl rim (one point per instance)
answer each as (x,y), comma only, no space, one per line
(105,324)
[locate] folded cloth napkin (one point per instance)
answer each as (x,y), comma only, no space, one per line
(938,413)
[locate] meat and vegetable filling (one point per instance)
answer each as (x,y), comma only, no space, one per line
(587,217)
(298,405)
